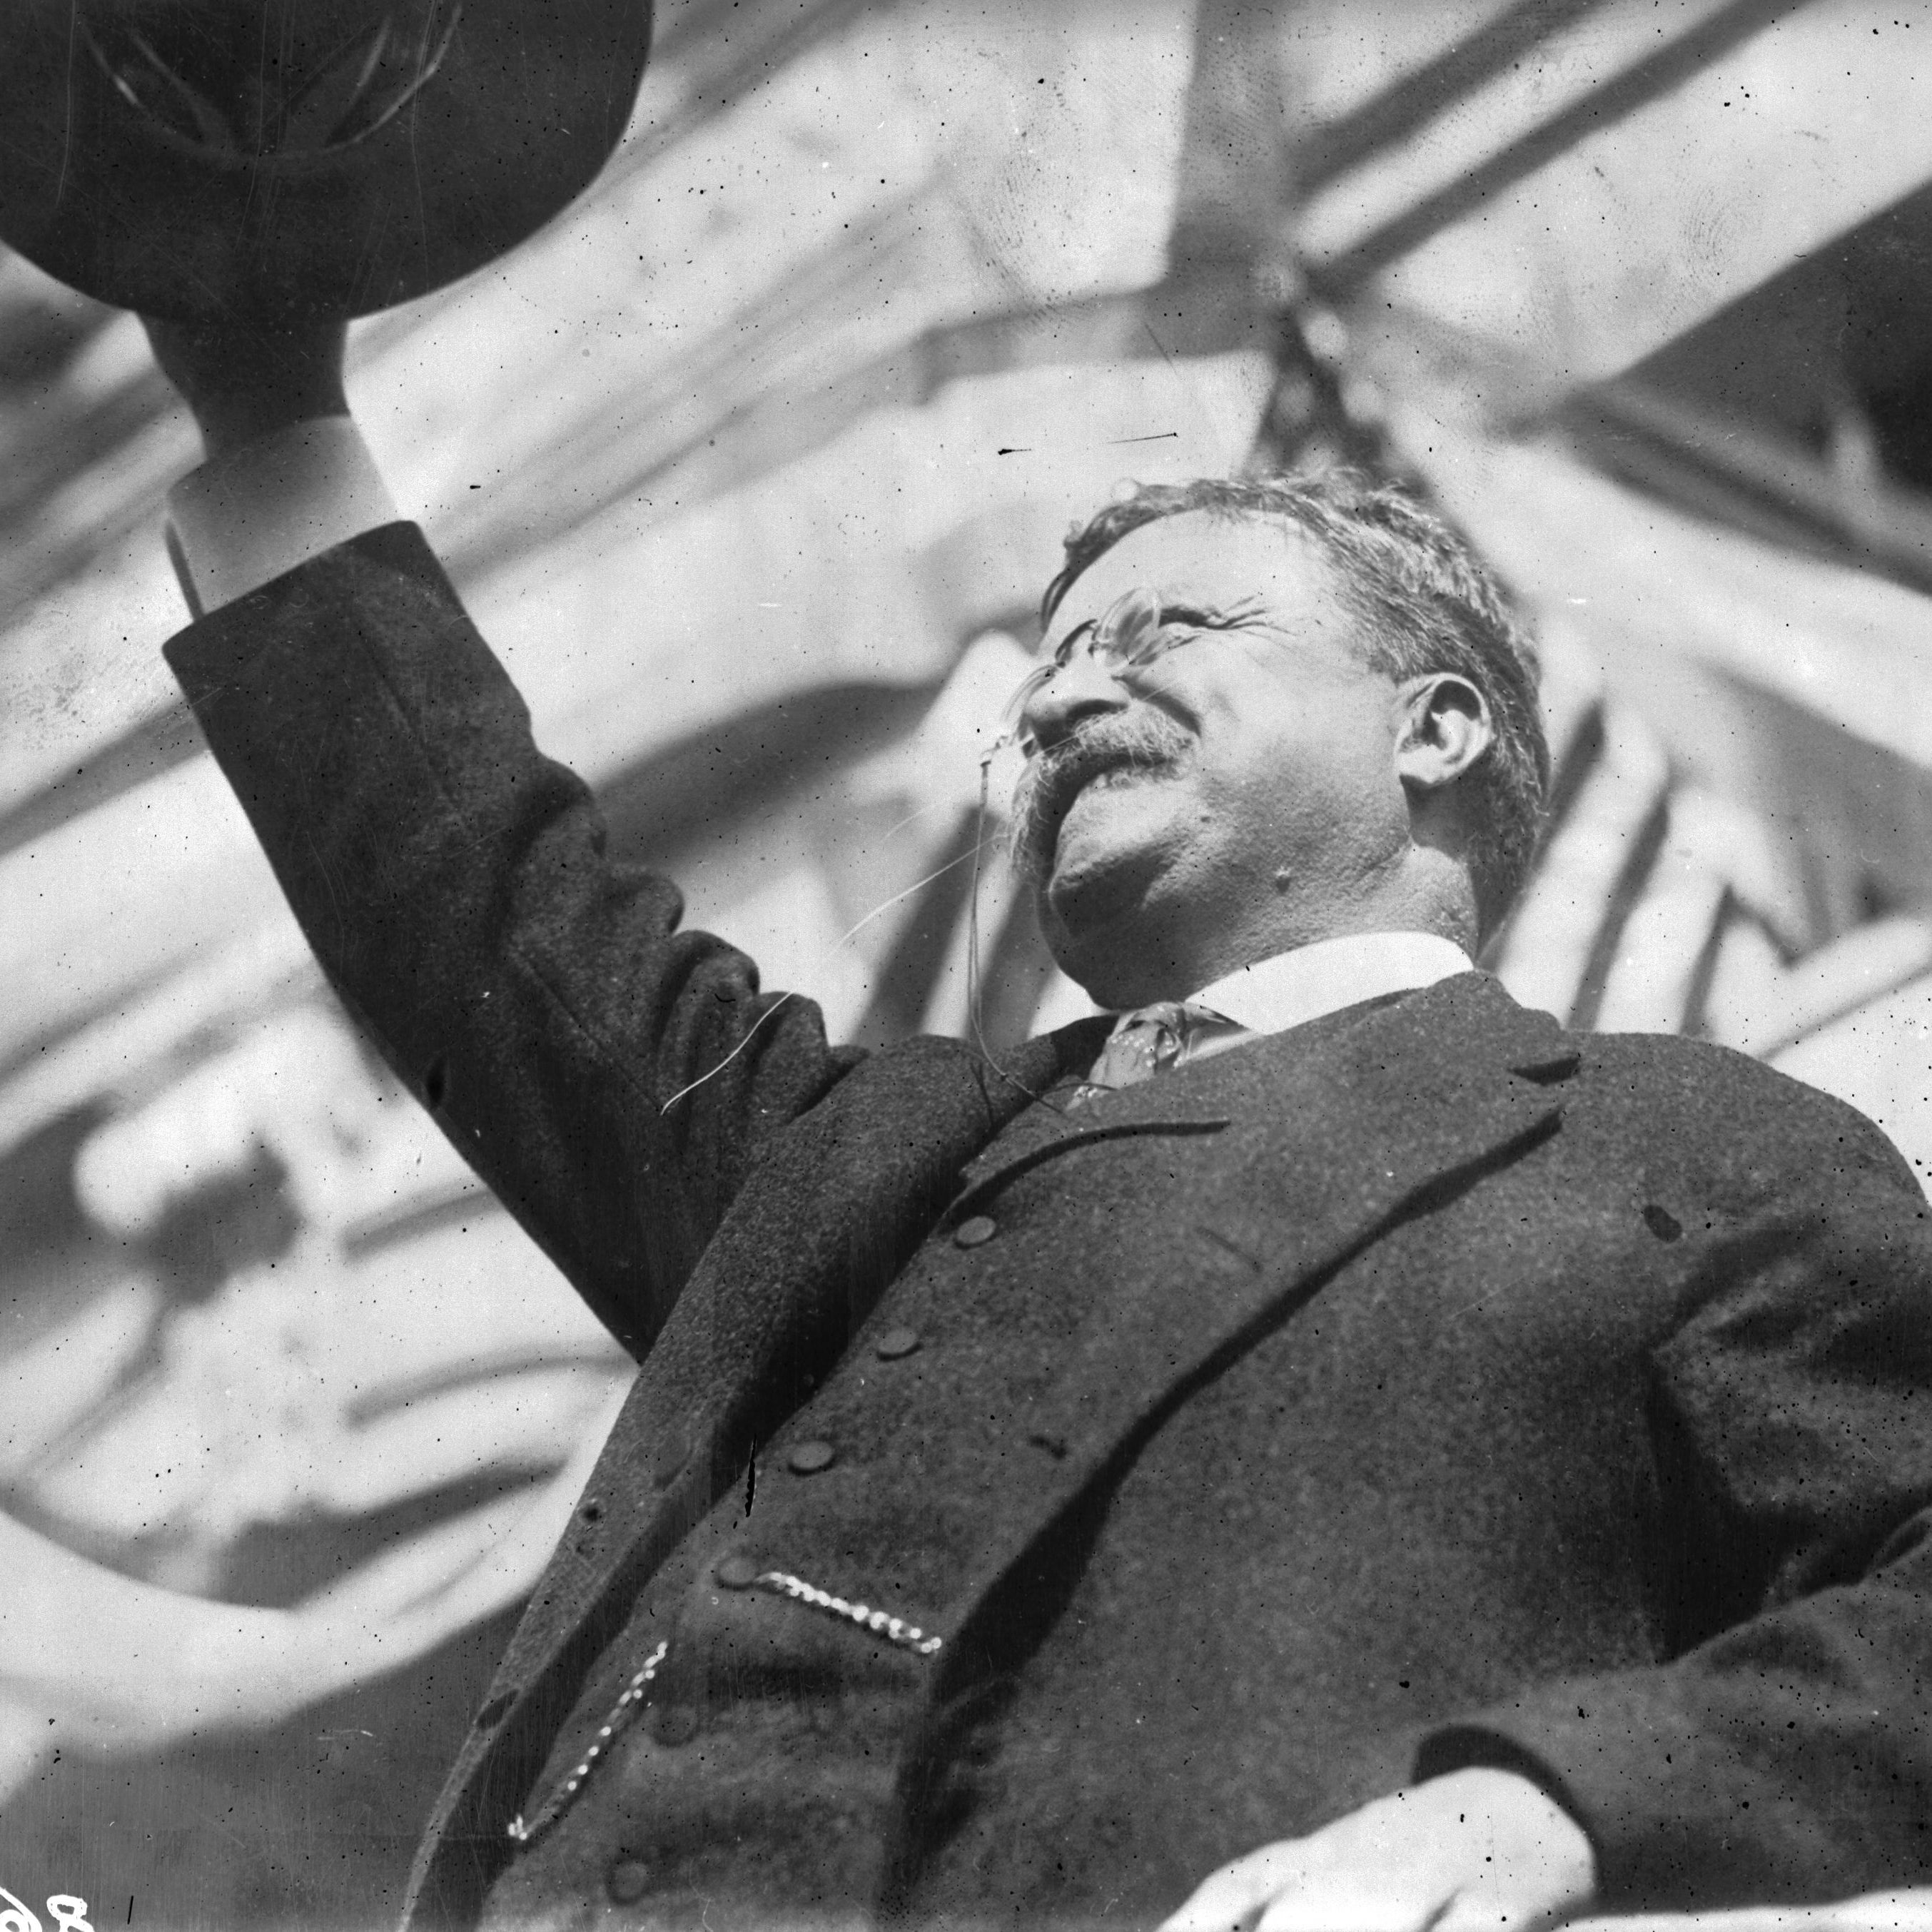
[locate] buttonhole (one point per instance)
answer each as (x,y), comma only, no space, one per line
(1546,1072)
(1055,1445)
(436,1081)
(492,1713)
(1222,1241)
(1663,1224)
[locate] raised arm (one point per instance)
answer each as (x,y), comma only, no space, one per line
(609,1076)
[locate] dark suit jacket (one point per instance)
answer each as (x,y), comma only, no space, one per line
(1426,1386)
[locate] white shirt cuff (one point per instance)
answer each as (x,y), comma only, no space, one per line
(243,520)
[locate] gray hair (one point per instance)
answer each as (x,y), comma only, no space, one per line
(1425,602)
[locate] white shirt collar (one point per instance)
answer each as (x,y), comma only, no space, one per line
(1274,995)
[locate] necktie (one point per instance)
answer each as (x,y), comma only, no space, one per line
(1143,1043)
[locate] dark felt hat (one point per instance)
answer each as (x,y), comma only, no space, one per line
(197,159)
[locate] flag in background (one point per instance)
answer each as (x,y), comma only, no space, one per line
(751,466)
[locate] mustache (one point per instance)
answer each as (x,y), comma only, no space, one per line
(1148,741)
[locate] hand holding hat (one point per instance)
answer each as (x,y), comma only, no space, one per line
(241,382)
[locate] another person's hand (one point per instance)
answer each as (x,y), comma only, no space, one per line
(1476,1849)
(242,383)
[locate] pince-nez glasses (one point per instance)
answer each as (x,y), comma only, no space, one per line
(1132,633)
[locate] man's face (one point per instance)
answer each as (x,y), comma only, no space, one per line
(1226,798)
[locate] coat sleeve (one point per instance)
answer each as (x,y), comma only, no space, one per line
(1781,1748)
(539,1000)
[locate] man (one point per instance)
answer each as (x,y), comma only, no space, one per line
(1346,1452)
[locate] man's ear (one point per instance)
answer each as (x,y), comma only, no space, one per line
(1445,728)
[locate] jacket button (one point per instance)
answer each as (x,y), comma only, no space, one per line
(807,1458)
(737,1573)
(975,1230)
(895,1342)
(627,1881)
(675,1724)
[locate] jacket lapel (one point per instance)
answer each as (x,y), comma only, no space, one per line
(1329,1144)
(1168,1105)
